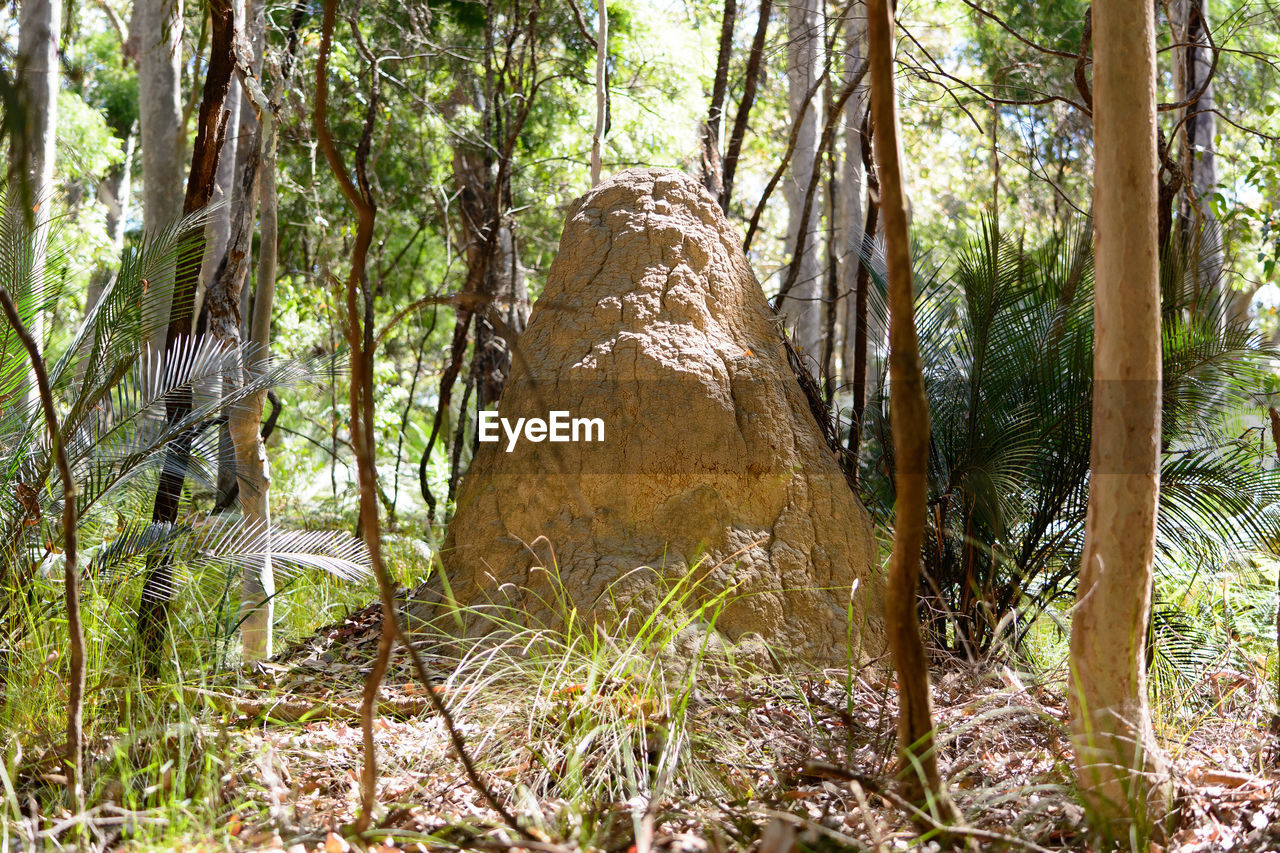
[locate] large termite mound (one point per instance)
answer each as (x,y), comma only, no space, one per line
(713,479)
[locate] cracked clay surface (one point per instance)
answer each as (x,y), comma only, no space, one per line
(711,461)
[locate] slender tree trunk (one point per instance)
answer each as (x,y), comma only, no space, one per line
(253,469)
(802,308)
(602,93)
(1199,161)
(218,228)
(831,300)
(359,339)
(749,84)
(227,195)
(255,32)
(32,152)
(249,462)
(852,191)
(116,194)
(1119,768)
(862,315)
(252,464)
(712,167)
(157,588)
(157,39)
(244,130)
(909,412)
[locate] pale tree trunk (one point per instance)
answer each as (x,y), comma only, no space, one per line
(909,414)
(33,149)
(116,194)
(801,310)
(211,129)
(255,30)
(242,129)
(1199,161)
(217,239)
(253,470)
(157,39)
(1119,769)
(218,229)
(602,94)
(251,464)
(852,191)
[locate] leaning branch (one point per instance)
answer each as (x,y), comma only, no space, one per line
(71,573)
(362,439)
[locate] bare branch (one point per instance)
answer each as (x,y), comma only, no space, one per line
(73,759)
(1019,36)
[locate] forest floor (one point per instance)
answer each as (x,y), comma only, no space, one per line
(786,761)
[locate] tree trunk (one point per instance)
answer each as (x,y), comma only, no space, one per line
(602,90)
(33,150)
(255,33)
(157,587)
(1118,765)
(227,194)
(852,191)
(507,292)
(802,308)
(712,167)
(1199,163)
(251,468)
(359,332)
(909,413)
(116,194)
(862,317)
(246,154)
(247,463)
(750,82)
(157,38)
(253,471)
(218,229)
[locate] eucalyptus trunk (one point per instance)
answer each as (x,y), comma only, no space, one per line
(802,308)
(853,190)
(1200,126)
(34,148)
(1119,769)
(157,40)
(115,193)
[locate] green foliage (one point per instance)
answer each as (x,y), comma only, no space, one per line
(113,394)
(1006,344)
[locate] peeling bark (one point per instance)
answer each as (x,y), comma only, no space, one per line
(157,587)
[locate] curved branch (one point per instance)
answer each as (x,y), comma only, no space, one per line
(71,572)
(1019,36)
